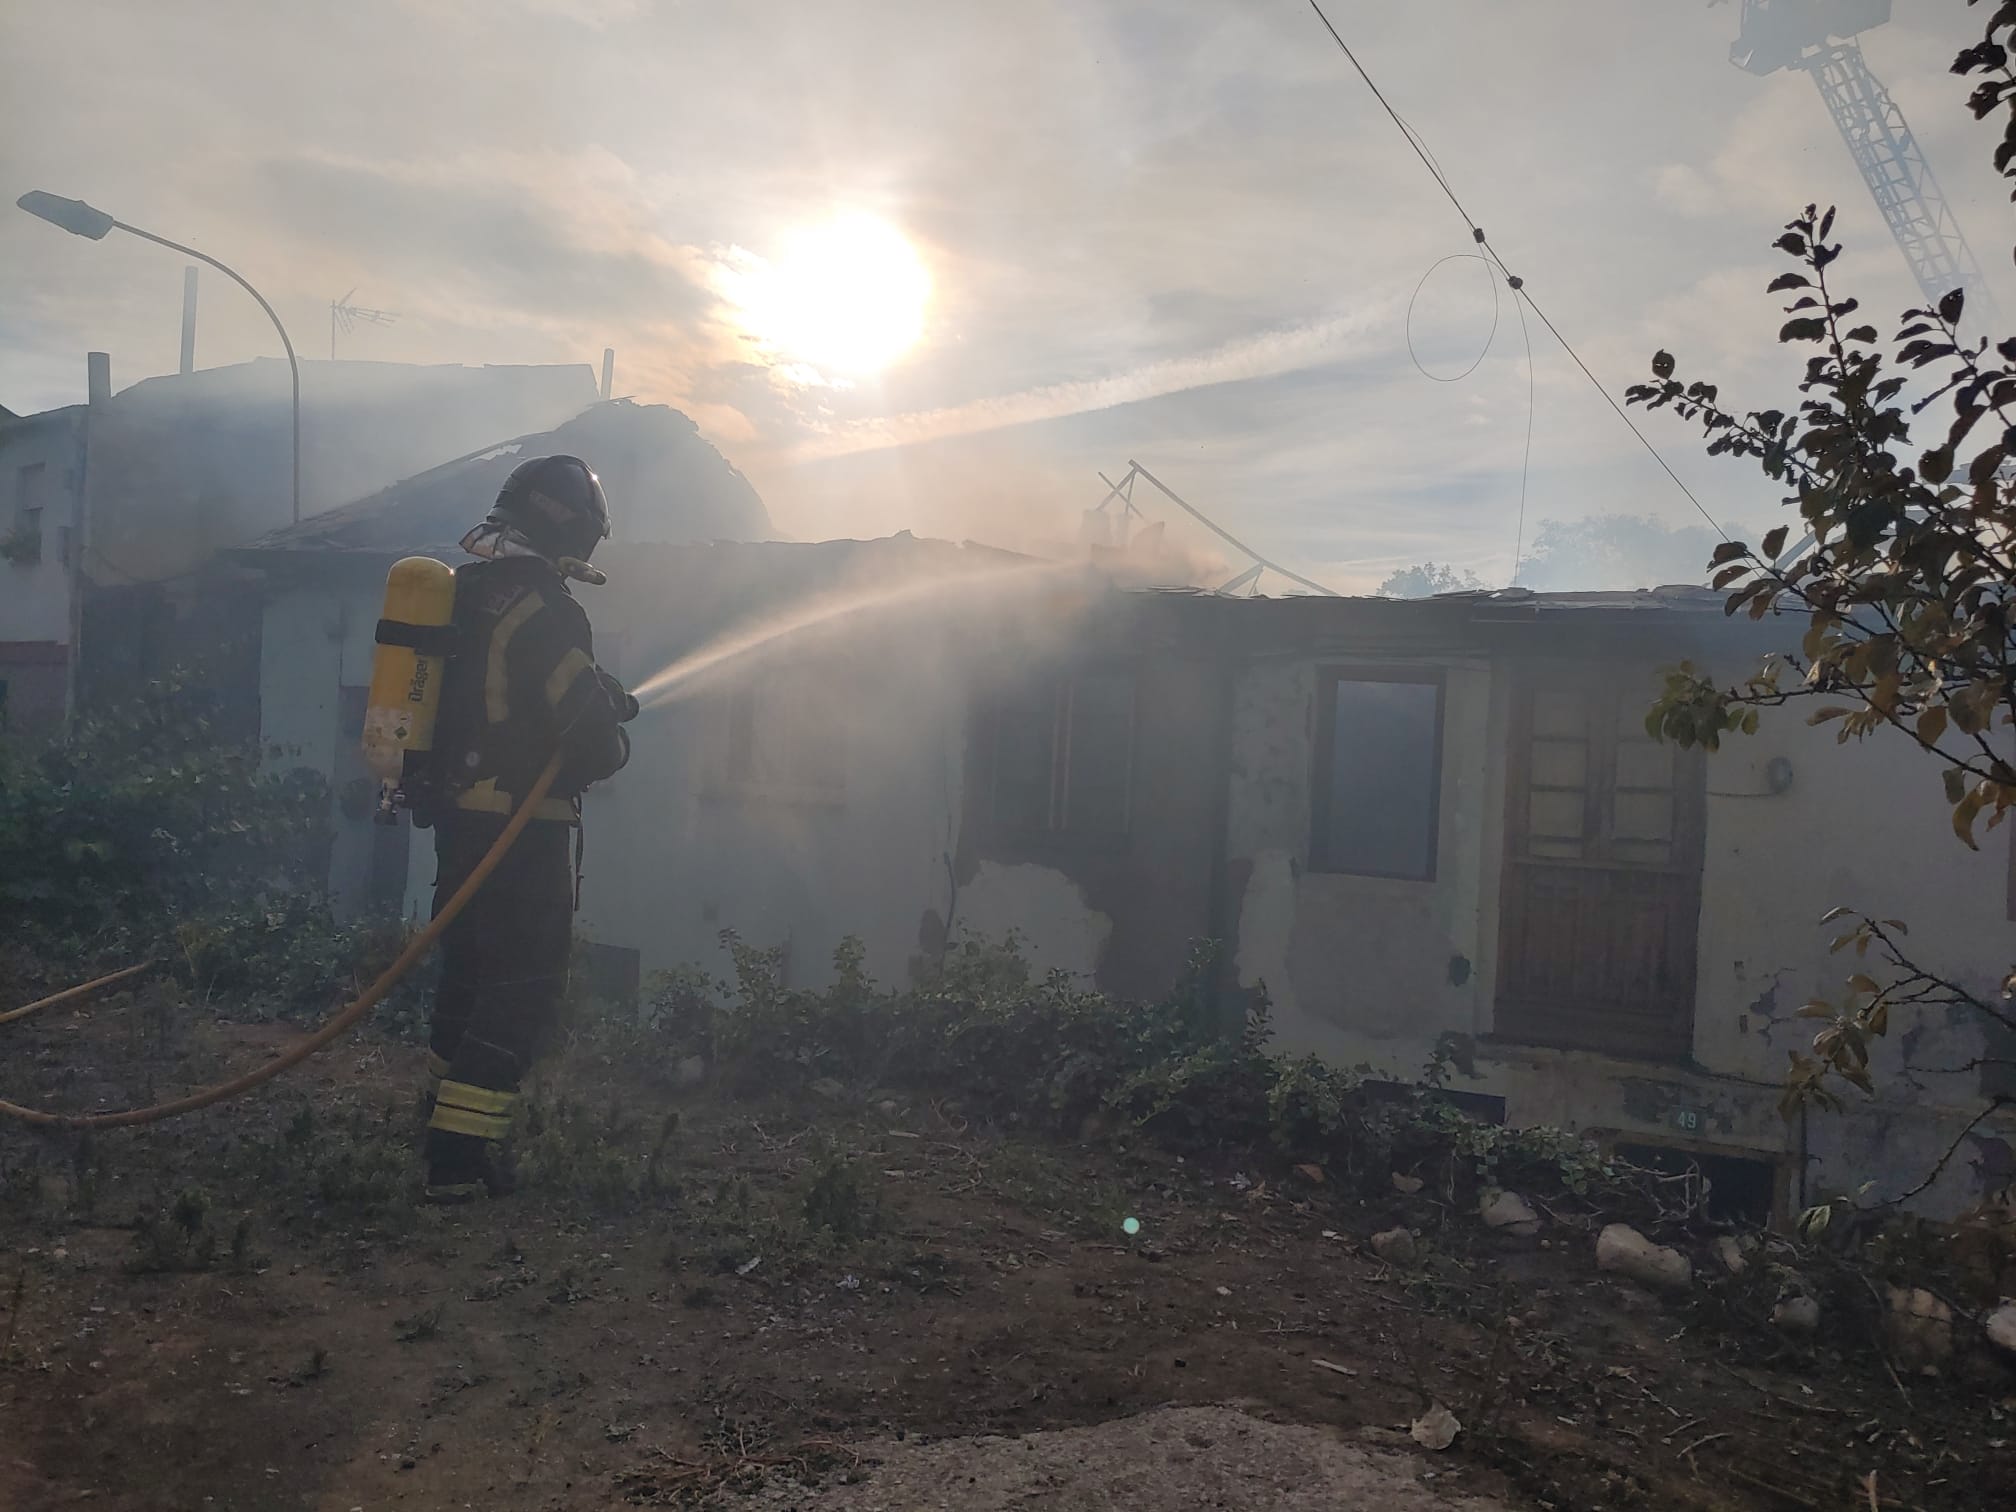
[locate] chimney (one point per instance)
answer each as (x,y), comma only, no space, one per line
(98,376)
(188,320)
(608,370)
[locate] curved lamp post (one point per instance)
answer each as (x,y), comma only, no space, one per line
(86,220)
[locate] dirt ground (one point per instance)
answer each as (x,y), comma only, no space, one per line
(825,1302)
(1173,1459)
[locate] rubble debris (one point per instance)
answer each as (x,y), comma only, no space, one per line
(1406,1186)
(1796,1314)
(1395,1246)
(1509,1212)
(690,1072)
(1729,1250)
(1622,1249)
(2000,1326)
(1919,1329)
(1435,1429)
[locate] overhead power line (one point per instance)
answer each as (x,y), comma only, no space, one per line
(1513,281)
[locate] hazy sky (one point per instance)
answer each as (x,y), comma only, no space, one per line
(1175,230)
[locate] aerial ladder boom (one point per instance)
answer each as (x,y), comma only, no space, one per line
(1818,37)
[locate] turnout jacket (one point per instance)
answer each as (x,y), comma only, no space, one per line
(522,682)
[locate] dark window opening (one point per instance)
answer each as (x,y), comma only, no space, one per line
(1741,1189)
(1063,754)
(1378,774)
(24,543)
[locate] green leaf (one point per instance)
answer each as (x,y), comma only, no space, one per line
(1806,328)
(1774,543)
(1727,551)
(1932,724)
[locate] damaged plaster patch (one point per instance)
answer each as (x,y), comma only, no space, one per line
(1266,924)
(1059,930)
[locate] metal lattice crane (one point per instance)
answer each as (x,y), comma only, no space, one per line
(1818,37)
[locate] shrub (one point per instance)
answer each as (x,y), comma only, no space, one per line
(141,814)
(980,1027)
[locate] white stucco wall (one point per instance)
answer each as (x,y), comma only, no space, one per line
(1371,971)
(315,642)
(1060,931)
(1357,967)
(35,597)
(673,858)
(671,864)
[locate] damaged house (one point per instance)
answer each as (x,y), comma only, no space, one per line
(1435,832)
(114,513)
(320,588)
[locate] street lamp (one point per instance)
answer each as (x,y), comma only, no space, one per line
(86,220)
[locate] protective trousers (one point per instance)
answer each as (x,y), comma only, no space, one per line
(503,977)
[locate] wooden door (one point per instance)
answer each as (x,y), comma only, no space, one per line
(1601,897)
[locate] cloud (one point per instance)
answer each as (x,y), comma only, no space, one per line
(1173,229)
(486,236)
(1686,189)
(1271,353)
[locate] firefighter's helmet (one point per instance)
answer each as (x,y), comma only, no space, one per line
(557,504)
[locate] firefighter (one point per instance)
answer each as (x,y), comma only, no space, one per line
(522,684)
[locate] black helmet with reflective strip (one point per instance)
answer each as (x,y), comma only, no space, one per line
(557,504)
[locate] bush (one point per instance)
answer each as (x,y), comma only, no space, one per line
(979,1026)
(141,833)
(141,814)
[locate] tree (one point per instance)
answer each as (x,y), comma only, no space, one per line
(1427,579)
(1905,567)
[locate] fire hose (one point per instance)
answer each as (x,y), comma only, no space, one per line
(339,1024)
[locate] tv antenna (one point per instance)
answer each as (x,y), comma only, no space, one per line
(1114,526)
(345,316)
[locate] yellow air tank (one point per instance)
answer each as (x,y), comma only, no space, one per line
(413,640)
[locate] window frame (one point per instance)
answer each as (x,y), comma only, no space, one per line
(1062,683)
(1322,777)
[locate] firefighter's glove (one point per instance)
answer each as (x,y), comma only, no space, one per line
(626,705)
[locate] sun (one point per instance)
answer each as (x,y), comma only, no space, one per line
(847,296)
